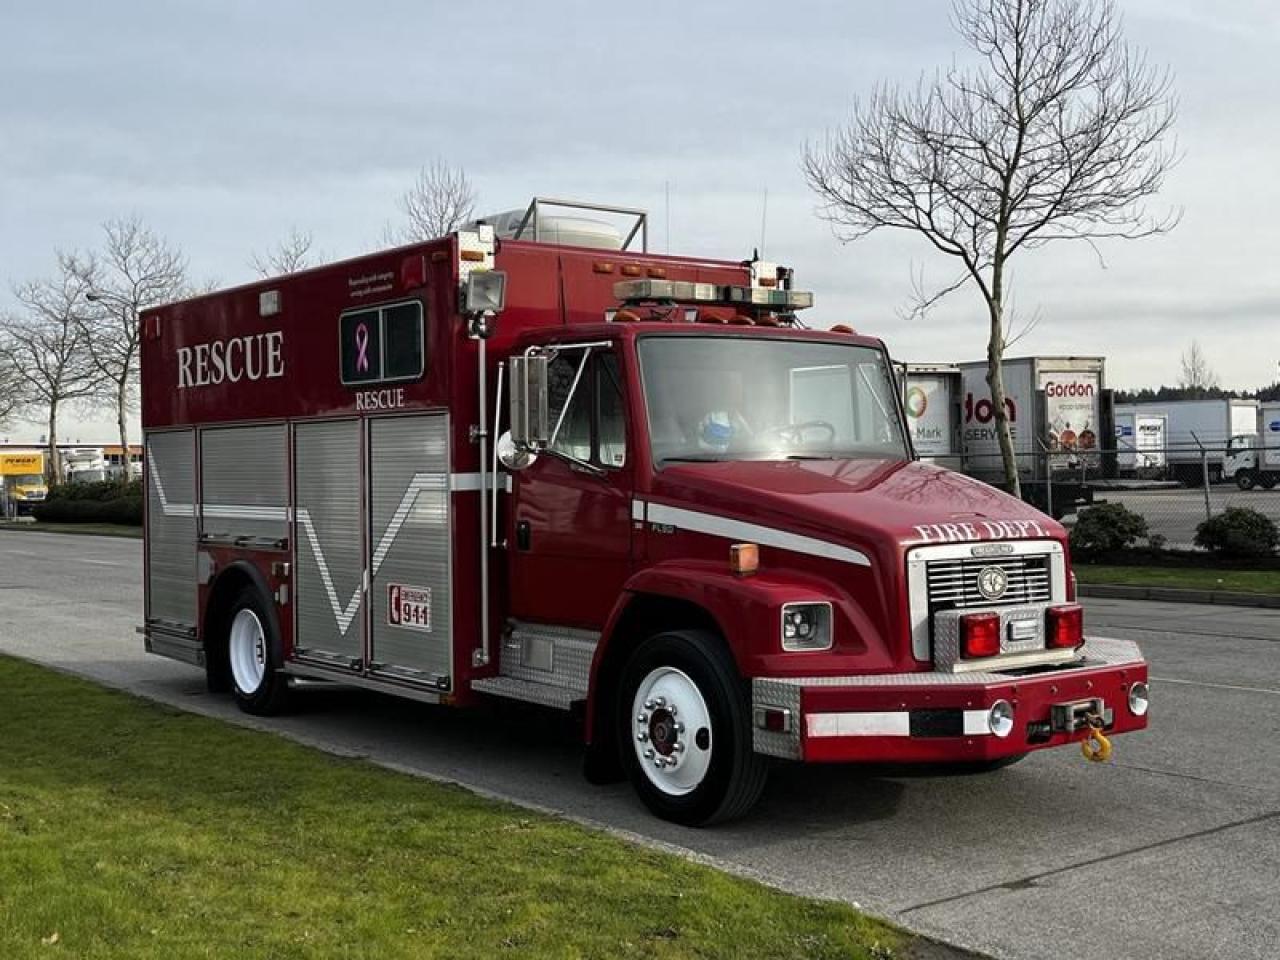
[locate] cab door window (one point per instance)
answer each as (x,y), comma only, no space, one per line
(591,415)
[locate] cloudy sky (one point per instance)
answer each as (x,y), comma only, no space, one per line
(225,124)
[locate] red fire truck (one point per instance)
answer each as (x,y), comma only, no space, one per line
(630,486)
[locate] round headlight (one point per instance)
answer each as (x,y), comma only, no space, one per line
(1000,718)
(1139,699)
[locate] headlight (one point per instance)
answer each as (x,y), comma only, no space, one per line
(806,626)
(1139,699)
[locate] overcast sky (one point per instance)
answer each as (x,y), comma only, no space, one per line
(224,124)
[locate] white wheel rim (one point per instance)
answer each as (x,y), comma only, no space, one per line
(248,649)
(671,731)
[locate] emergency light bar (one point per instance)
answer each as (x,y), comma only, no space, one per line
(682,291)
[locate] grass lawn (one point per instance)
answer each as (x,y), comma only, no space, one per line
(132,830)
(96,529)
(1190,578)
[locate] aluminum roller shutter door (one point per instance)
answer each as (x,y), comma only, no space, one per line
(329,570)
(244,476)
(410,540)
(171,527)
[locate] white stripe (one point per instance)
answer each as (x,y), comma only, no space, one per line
(861,724)
(245,512)
(467,482)
(896,723)
(717,526)
(637,510)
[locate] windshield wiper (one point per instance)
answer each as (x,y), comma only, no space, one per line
(695,458)
(811,456)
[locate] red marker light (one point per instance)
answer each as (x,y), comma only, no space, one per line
(1064,626)
(980,635)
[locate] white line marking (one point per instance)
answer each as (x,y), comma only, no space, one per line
(1216,686)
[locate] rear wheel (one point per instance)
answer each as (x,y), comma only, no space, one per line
(1269,481)
(1245,479)
(253,652)
(684,730)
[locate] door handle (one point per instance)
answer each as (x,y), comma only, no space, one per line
(524,535)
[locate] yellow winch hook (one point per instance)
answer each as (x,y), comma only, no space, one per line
(1096,746)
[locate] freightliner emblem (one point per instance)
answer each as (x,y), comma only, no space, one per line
(992,582)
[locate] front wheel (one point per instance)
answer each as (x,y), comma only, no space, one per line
(1245,479)
(253,652)
(685,732)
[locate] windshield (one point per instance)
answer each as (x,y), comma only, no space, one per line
(723,398)
(29,480)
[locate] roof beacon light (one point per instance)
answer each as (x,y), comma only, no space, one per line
(683,291)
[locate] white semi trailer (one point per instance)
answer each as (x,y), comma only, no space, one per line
(1198,433)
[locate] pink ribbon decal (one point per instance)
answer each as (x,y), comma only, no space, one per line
(362,348)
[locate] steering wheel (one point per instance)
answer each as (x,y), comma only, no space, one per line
(793,433)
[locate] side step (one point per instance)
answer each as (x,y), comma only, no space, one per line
(546,694)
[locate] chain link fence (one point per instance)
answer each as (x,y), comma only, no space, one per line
(1173,489)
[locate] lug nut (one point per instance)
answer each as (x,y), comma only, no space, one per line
(648,704)
(679,728)
(642,718)
(642,736)
(648,754)
(672,710)
(678,747)
(660,702)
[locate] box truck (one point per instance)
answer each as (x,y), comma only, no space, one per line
(1198,433)
(1141,439)
(1060,415)
(701,531)
(1253,459)
(931,400)
(22,483)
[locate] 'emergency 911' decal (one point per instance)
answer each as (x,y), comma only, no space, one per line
(409,607)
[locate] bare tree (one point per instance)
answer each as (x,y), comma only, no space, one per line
(440,200)
(136,269)
(1056,131)
(13,388)
(295,252)
(1197,376)
(45,348)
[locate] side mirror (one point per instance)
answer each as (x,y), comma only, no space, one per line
(530,430)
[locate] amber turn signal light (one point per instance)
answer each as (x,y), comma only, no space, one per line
(744,559)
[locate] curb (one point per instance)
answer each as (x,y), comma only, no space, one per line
(1229,598)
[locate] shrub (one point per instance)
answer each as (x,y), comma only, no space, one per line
(1239,532)
(1106,528)
(126,510)
(98,490)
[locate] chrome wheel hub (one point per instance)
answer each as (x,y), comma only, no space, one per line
(672,731)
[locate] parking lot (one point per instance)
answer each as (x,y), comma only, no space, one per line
(1169,851)
(1175,512)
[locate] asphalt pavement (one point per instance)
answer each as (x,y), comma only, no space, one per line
(1175,512)
(1172,850)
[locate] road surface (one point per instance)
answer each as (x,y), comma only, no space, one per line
(1169,851)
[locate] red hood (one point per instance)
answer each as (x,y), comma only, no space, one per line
(865,502)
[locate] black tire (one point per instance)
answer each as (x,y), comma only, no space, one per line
(271,694)
(1269,481)
(1245,479)
(735,774)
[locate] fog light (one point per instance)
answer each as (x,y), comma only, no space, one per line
(1139,699)
(1000,718)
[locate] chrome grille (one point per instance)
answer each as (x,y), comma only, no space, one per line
(953,584)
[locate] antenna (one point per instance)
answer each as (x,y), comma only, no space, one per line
(666,214)
(764,219)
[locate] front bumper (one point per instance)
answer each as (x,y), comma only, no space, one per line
(942,717)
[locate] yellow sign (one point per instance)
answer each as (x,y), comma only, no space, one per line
(21,464)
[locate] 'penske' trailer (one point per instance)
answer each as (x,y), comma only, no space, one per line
(614,483)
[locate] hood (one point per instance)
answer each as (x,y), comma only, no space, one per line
(867,501)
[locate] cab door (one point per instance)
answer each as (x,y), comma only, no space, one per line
(570,529)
